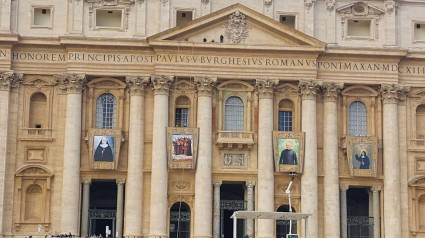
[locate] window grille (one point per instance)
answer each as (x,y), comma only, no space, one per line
(182,117)
(285,121)
(106,111)
(357,119)
(234,114)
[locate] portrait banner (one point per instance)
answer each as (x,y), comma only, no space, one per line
(362,154)
(182,147)
(288,148)
(104,148)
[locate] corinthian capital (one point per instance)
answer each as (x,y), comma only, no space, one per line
(161,83)
(331,91)
(266,87)
(391,93)
(309,89)
(70,83)
(137,84)
(205,85)
(9,80)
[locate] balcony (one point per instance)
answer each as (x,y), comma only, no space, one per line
(235,140)
(35,134)
(360,227)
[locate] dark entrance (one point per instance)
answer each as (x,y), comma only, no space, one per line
(231,200)
(359,223)
(102,208)
(282,226)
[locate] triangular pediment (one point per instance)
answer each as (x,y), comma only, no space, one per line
(236,26)
(360,9)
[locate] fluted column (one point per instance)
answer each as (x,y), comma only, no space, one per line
(73,84)
(392,227)
(265,187)
(330,155)
(250,207)
(203,180)
(159,176)
(216,222)
(85,207)
(376,214)
(8,80)
(343,196)
(309,203)
(136,136)
(120,206)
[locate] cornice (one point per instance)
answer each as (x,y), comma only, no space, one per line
(378,52)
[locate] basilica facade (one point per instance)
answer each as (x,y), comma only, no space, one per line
(160,118)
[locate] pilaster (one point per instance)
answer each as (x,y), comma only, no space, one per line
(216,221)
(343,196)
(85,207)
(376,208)
(250,207)
(120,206)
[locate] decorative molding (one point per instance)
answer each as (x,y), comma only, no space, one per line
(330,5)
(217,183)
(205,1)
(234,160)
(120,181)
(86,181)
(110,2)
(268,3)
(136,84)
(309,89)
(70,83)
(266,87)
(180,185)
(389,93)
(9,80)
(236,28)
(205,85)
(375,188)
(309,3)
(344,187)
(331,91)
(250,183)
(391,6)
(161,83)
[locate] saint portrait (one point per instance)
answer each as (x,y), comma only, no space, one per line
(104,148)
(182,147)
(288,149)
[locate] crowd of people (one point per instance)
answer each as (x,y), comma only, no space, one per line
(182,146)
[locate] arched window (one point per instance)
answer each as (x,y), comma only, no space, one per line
(357,119)
(282,226)
(38,107)
(234,114)
(106,111)
(420,124)
(182,112)
(180,220)
(286,108)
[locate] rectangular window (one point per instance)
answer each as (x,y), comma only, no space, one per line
(419,32)
(234,118)
(183,17)
(182,117)
(42,17)
(109,18)
(287,20)
(359,28)
(285,121)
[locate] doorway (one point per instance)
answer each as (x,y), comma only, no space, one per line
(359,221)
(282,226)
(231,200)
(102,208)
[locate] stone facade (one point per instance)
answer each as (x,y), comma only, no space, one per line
(156,60)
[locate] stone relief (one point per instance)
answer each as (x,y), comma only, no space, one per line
(236,28)
(234,160)
(111,2)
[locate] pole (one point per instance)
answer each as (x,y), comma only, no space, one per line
(235,224)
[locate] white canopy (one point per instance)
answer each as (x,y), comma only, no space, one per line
(269,215)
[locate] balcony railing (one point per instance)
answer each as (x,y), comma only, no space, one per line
(360,227)
(235,139)
(35,134)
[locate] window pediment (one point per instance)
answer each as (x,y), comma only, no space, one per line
(33,170)
(360,9)
(106,83)
(235,86)
(110,2)
(359,91)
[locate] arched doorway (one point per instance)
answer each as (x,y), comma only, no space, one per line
(180,220)
(282,226)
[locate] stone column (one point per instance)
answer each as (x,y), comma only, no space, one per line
(136,136)
(265,187)
(376,214)
(85,207)
(73,84)
(309,203)
(392,227)
(402,130)
(216,221)
(343,195)
(8,80)
(250,207)
(159,176)
(203,180)
(120,206)
(330,155)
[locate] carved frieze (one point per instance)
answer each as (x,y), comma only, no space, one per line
(161,83)
(111,2)
(236,28)
(70,83)
(205,85)
(234,160)
(9,80)
(266,87)
(137,84)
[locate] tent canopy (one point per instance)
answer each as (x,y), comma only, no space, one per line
(269,215)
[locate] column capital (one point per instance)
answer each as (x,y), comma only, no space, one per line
(70,83)
(217,183)
(344,187)
(331,91)
(250,184)
(161,83)
(403,94)
(391,94)
(376,188)
(266,87)
(136,84)
(205,85)
(309,89)
(86,180)
(120,181)
(9,80)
